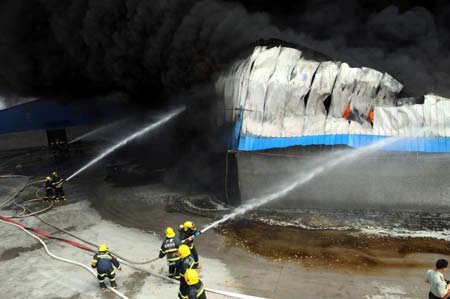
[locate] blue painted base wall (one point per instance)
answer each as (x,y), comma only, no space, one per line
(419,144)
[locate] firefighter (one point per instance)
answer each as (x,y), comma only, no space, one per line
(49,195)
(195,289)
(57,183)
(169,248)
(104,262)
(186,262)
(187,234)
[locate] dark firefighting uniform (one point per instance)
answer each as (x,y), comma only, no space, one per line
(184,235)
(196,291)
(57,183)
(104,262)
(182,265)
(48,190)
(169,248)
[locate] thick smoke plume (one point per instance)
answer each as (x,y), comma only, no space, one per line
(144,48)
(408,39)
(149,49)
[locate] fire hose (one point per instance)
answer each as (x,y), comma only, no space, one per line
(81,246)
(63,259)
(121,259)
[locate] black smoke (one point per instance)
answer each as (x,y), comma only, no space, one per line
(152,49)
(147,49)
(408,39)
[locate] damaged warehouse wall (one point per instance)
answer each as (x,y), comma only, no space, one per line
(278,97)
(294,110)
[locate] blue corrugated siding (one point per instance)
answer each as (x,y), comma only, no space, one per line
(419,144)
(47,114)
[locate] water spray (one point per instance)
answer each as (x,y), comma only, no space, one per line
(299,181)
(123,142)
(98,130)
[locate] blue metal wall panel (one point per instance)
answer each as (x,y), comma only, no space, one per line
(47,114)
(416,144)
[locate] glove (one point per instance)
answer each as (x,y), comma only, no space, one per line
(197,233)
(119,268)
(190,239)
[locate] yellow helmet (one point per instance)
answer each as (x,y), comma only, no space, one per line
(102,247)
(184,251)
(47,178)
(54,173)
(188,225)
(191,277)
(170,233)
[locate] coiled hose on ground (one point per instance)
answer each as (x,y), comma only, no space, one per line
(63,259)
(125,261)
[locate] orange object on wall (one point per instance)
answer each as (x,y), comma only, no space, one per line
(347,111)
(371,115)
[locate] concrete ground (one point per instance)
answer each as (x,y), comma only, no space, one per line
(131,219)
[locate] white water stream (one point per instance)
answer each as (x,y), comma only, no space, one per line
(98,130)
(124,141)
(328,164)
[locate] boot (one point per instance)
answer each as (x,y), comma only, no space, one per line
(114,284)
(102,286)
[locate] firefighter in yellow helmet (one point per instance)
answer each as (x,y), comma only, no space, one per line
(185,263)
(169,248)
(49,195)
(104,263)
(195,288)
(187,234)
(57,183)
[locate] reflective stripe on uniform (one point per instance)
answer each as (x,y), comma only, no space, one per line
(112,272)
(104,256)
(202,290)
(181,296)
(102,274)
(174,259)
(169,250)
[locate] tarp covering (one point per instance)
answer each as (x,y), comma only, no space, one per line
(277,98)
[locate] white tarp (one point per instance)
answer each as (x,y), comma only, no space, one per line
(398,121)
(271,86)
(229,92)
(385,122)
(343,89)
(321,88)
(300,85)
(246,77)
(410,119)
(388,91)
(263,69)
(336,125)
(363,129)
(363,97)
(277,92)
(437,115)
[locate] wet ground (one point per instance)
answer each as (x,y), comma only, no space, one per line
(338,249)
(319,254)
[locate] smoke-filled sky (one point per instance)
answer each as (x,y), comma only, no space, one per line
(149,49)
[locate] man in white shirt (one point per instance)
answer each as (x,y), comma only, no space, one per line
(438,285)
